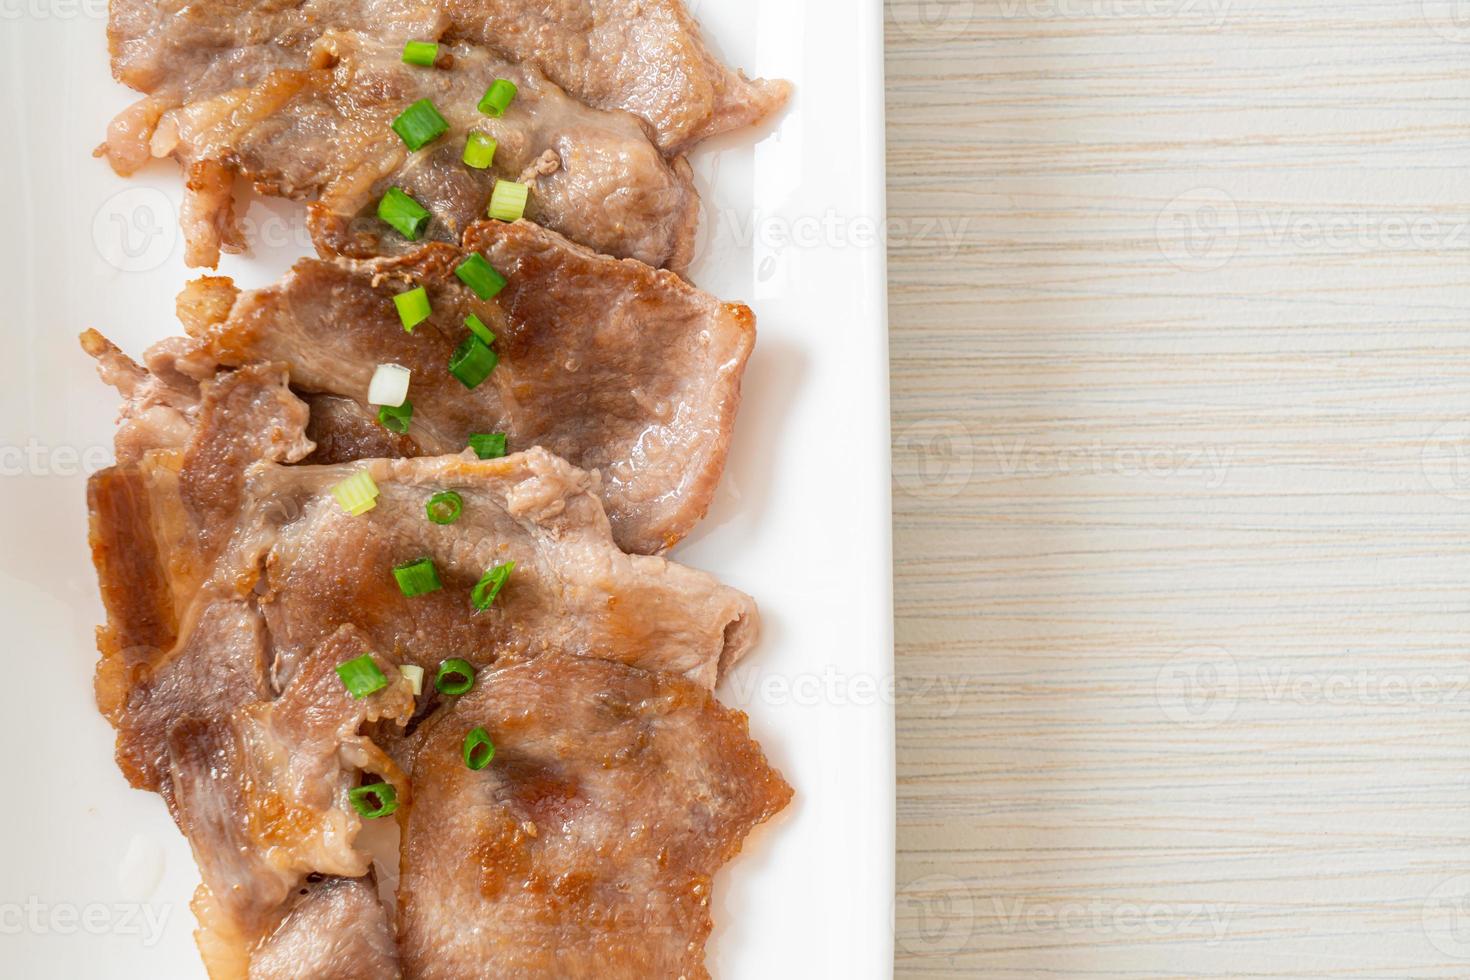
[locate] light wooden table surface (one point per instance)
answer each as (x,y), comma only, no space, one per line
(1181,394)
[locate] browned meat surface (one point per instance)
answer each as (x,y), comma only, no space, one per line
(572,589)
(160,519)
(645,56)
(198,630)
(345,429)
(612,365)
(262,795)
(306,113)
(236,585)
(338,930)
(586,849)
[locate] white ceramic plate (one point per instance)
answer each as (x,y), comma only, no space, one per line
(94,878)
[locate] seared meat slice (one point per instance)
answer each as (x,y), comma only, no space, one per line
(338,930)
(314,123)
(587,846)
(190,625)
(262,795)
(571,589)
(160,519)
(645,56)
(611,365)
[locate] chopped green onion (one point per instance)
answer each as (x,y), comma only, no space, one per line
(472,362)
(423,53)
(407,216)
(477,273)
(374,800)
(444,507)
(361,676)
(357,494)
(478,328)
(389,385)
(455,677)
(413,307)
(420,124)
(478,749)
(479,150)
(488,445)
(490,585)
(417,578)
(497,97)
(508,200)
(395,418)
(415,675)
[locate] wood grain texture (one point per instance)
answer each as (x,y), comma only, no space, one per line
(1180,311)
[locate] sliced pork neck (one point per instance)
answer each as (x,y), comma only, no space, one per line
(587,848)
(236,584)
(572,588)
(309,115)
(647,57)
(222,571)
(611,365)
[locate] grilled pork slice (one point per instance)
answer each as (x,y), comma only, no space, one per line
(313,122)
(611,365)
(262,795)
(643,56)
(219,578)
(586,848)
(571,589)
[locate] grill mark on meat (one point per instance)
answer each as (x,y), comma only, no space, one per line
(611,365)
(591,839)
